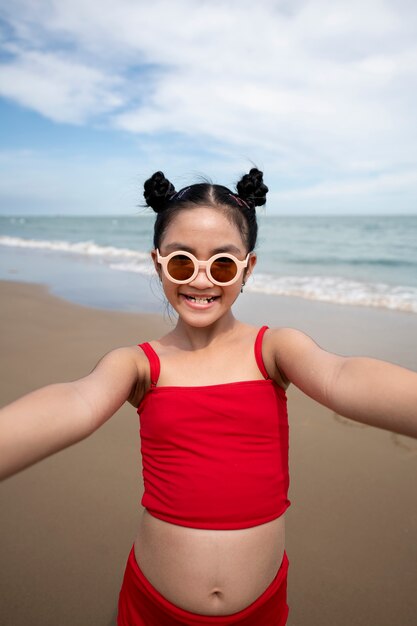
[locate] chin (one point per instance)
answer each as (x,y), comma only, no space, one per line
(199,320)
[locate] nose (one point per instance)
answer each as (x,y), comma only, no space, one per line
(201,281)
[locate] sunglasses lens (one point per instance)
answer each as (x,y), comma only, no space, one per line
(223,269)
(180,267)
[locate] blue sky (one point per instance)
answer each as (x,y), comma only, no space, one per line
(97,95)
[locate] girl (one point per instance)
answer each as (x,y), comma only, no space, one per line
(214,428)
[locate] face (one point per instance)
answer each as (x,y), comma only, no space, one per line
(204,232)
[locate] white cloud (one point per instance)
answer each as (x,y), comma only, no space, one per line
(311,88)
(379,184)
(59,88)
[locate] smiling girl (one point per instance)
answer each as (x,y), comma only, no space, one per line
(211,398)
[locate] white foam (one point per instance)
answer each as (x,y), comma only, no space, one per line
(86,248)
(338,290)
(138,268)
(334,289)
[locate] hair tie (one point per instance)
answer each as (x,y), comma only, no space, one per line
(180,194)
(239,200)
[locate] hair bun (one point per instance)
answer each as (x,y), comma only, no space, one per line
(157,191)
(252,189)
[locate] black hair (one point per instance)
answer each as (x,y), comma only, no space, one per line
(238,207)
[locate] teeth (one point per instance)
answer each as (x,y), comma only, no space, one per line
(200,300)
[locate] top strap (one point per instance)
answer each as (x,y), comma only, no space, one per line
(258,351)
(154,362)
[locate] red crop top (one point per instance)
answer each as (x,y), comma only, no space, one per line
(215,456)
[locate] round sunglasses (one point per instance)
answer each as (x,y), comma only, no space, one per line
(182,267)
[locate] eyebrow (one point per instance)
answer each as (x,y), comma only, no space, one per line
(180,246)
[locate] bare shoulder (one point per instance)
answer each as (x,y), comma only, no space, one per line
(286,338)
(295,355)
(129,363)
(276,345)
(125,357)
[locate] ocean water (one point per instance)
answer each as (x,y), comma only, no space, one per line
(363,261)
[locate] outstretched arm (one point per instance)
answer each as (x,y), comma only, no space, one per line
(367,390)
(56,416)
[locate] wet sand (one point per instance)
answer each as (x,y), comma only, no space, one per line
(67,523)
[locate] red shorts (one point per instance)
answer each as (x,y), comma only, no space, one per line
(140,604)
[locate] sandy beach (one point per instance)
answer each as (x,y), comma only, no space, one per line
(68,523)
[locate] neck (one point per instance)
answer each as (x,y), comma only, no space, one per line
(198,338)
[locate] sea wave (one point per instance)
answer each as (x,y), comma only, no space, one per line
(332,261)
(86,248)
(338,290)
(137,267)
(335,289)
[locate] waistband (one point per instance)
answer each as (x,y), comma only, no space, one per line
(275,593)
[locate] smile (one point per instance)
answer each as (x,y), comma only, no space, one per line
(201,300)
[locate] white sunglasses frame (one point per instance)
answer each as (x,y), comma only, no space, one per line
(164,260)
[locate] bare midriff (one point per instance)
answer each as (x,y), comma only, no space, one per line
(211,572)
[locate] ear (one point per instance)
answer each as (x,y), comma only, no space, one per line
(251,266)
(157,266)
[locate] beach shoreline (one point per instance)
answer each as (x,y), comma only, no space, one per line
(357,261)
(70,520)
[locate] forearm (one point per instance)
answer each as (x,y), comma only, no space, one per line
(377,393)
(41,423)
(54,417)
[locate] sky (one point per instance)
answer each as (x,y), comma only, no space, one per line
(97,95)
